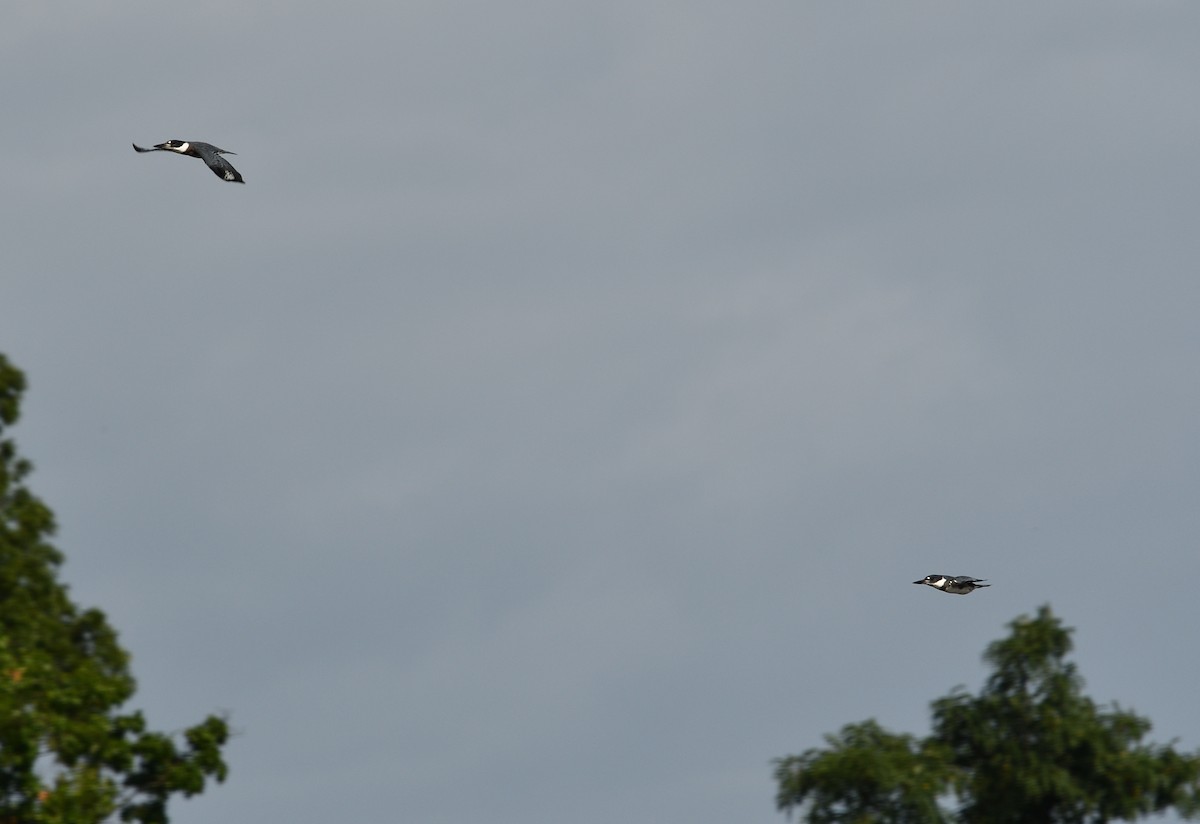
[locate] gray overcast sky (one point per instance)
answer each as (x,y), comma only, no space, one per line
(551,427)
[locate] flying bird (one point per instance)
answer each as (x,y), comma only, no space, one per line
(207,152)
(958,585)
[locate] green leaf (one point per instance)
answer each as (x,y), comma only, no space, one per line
(67,755)
(1029,747)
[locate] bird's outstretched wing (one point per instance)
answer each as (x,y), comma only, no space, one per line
(221,168)
(138,148)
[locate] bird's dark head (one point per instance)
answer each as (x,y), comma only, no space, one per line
(180,146)
(932,580)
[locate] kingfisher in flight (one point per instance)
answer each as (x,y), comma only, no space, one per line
(207,152)
(958,585)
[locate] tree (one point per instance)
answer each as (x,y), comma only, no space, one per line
(67,755)
(1029,748)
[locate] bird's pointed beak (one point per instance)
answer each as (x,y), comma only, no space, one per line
(160,146)
(919,582)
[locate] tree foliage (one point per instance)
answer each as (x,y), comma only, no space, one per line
(67,755)
(1030,747)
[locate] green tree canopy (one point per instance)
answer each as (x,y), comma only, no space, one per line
(1030,747)
(67,755)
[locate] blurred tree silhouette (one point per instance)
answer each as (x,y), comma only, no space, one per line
(67,756)
(1029,748)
